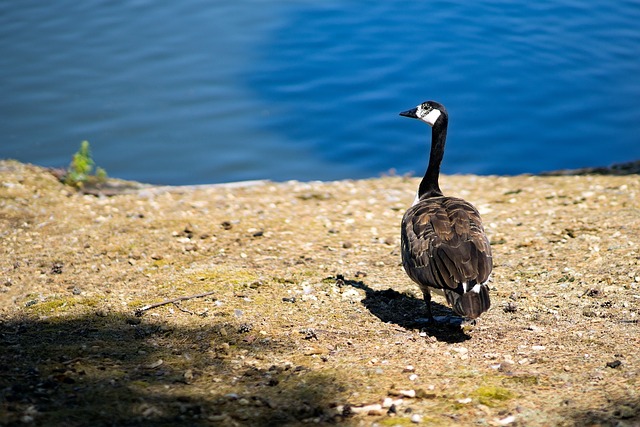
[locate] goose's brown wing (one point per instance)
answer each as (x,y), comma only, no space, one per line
(444,245)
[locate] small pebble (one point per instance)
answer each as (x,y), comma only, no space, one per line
(309,334)
(56,268)
(375,409)
(416,419)
(614,364)
(155,364)
(245,327)
(460,350)
(624,412)
(506,421)
(312,351)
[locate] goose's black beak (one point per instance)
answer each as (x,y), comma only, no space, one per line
(410,113)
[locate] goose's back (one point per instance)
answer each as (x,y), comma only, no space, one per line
(444,244)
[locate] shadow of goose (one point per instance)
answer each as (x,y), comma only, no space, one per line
(408,312)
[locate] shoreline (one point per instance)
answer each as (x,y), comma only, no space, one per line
(615,169)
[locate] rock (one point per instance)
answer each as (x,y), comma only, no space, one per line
(56,268)
(614,364)
(374,409)
(624,412)
(245,327)
(154,365)
(510,307)
(506,421)
(403,393)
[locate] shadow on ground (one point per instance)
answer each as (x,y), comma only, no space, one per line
(127,371)
(617,413)
(408,312)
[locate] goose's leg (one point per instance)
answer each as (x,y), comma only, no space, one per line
(427,300)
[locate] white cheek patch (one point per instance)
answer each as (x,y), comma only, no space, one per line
(431,116)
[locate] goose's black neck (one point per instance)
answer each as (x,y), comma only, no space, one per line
(429,185)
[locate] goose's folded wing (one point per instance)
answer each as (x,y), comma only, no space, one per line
(444,244)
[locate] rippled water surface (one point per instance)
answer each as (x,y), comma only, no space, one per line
(203,92)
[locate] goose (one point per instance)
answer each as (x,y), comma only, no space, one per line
(444,247)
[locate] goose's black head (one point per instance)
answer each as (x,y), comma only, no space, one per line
(429,112)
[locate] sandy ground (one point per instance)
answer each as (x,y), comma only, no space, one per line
(309,317)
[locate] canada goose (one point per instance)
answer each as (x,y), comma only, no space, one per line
(444,247)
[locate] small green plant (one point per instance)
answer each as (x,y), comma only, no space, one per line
(79,171)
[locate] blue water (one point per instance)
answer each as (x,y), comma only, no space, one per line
(204,92)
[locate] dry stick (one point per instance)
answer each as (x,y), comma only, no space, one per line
(141,310)
(184,310)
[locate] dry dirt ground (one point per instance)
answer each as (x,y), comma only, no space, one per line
(309,317)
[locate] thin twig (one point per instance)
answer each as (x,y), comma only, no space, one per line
(184,310)
(140,311)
